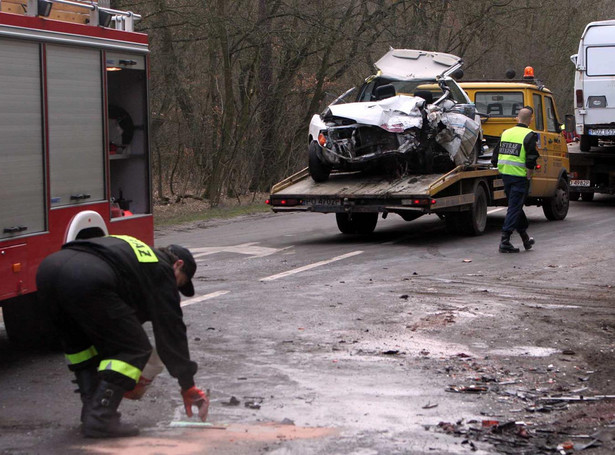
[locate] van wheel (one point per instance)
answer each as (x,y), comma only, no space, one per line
(556,208)
(318,170)
(474,221)
(587,197)
(356,223)
(586,143)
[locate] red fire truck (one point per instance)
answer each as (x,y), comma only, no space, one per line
(74,140)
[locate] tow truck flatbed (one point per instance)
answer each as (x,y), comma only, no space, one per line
(460,196)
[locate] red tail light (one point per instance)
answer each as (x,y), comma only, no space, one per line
(285,202)
(579,96)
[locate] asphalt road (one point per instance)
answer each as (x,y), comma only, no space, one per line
(357,345)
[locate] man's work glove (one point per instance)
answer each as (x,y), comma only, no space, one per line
(196,397)
(139,390)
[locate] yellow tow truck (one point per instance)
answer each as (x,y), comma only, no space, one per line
(461,196)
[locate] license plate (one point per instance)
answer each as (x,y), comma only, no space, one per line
(322,201)
(580,183)
(602,132)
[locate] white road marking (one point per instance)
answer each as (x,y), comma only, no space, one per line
(202,298)
(249,249)
(495,210)
(310,266)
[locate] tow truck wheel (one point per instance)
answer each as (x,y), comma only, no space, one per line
(587,197)
(556,208)
(356,223)
(318,170)
(585,143)
(474,221)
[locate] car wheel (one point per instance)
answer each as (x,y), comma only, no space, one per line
(476,151)
(556,208)
(318,170)
(574,195)
(587,197)
(586,143)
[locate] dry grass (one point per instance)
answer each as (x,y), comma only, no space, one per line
(189,210)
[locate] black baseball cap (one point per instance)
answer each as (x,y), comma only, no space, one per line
(189,267)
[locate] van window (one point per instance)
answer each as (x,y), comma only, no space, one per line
(538,116)
(600,61)
(551,117)
(499,104)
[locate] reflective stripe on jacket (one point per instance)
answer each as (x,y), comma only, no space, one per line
(511,159)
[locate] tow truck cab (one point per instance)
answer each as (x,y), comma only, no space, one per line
(499,102)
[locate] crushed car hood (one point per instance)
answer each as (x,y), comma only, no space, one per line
(394,114)
(408,64)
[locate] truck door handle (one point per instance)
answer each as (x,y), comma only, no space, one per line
(15,229)
(79,197)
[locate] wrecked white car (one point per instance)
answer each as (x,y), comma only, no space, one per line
(411,117)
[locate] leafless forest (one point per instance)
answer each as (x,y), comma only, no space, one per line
(235,82)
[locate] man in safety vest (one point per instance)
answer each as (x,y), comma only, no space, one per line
(515,156)
(99,292)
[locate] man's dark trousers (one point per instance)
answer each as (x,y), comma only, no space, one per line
(516,189)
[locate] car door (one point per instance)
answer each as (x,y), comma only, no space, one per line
(551,146)
(540,179)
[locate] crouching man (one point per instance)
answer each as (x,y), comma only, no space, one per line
(99,293)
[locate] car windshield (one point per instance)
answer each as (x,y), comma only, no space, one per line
(499,104)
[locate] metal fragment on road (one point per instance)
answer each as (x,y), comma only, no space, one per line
(204,425)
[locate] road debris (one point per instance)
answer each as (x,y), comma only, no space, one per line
(253,402)
(204,425)
(467,388)
(233,401)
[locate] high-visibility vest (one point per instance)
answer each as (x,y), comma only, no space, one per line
(511,158)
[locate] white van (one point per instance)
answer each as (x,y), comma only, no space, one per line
(594,84)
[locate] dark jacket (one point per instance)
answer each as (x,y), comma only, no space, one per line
(531,152)
(151,290)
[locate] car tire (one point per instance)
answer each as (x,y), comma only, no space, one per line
(587,197)
(556,208)
(318,170)
(574,195)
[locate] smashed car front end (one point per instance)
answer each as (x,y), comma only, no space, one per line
(356,133)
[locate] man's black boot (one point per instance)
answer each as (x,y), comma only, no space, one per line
(505,245)
(527,240)
(101,418)
(87,380)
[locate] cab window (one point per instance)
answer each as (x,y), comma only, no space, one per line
(552,124)
(538,116)
(499,104)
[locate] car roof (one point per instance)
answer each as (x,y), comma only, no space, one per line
(409,64)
